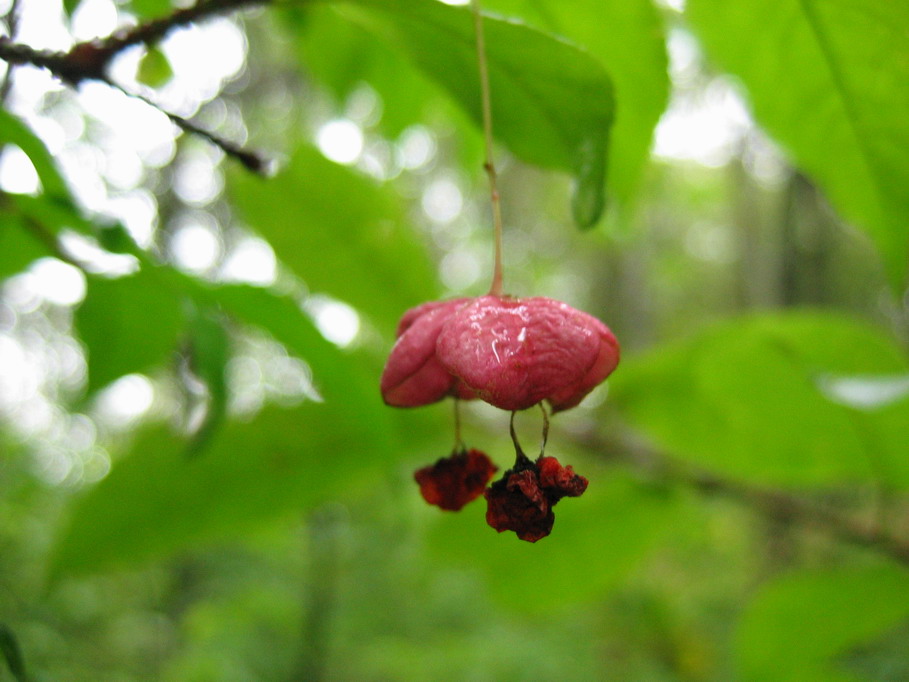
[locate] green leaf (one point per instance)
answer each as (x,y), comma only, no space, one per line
(14,131)
(745,398)
(339,377)
(52,215)
(596,540)
(151,9)
(251,472)
(552,104)
(796,624)
(54,209)
(154,68)
(209,352)
(130,324)
(18,246)
(9,647)
(628,39)
(156,501)
(144,9)
(342,55)
(316,207)
(828,81)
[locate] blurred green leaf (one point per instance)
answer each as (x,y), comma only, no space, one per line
(342,56)
(251,472)
(154,69)
(341,232)
(130,324)
(209,352)
(338,375)
(14,131)
(52,215)
(552,104)
(797,623)
(54,209)
(629,40)
(828,81)
(9,647)
(596,540)
(144,9)
(18,247)
(744,398)
(151,9)
(156,501)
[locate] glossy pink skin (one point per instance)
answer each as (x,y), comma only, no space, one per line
(510,352)
(413,375)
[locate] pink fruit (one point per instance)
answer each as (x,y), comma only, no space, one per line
(511,352)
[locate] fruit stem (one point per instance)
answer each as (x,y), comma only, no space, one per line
(496,288)
(520,459)
(545,429)
(459,443)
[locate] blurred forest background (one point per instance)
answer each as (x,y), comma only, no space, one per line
(198,479)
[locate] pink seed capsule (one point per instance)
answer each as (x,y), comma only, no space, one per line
(510,352)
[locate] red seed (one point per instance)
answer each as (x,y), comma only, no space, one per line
(454,481)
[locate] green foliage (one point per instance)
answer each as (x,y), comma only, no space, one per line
(250,471)
(746,398)
(597,544)
(305,225)
(341,55)
(186,559)
(552,104)
(627,38)
(12,654)
(209,353)
(14,131)
(18,246)
(828,81)
(128,325)
(796,625)
(154,69)
(157,501)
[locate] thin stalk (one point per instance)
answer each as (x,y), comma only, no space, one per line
(459,442)
(545,429)
(521,460)
(496,288)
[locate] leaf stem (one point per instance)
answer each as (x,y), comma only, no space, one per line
(496,288)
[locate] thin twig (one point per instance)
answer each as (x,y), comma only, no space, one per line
(152,32)
(89,61)
(253,161)
(489,165)
(11,19)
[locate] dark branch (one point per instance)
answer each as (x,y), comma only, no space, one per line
(152,32)
(90,60)
(772,504)
(253,161)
